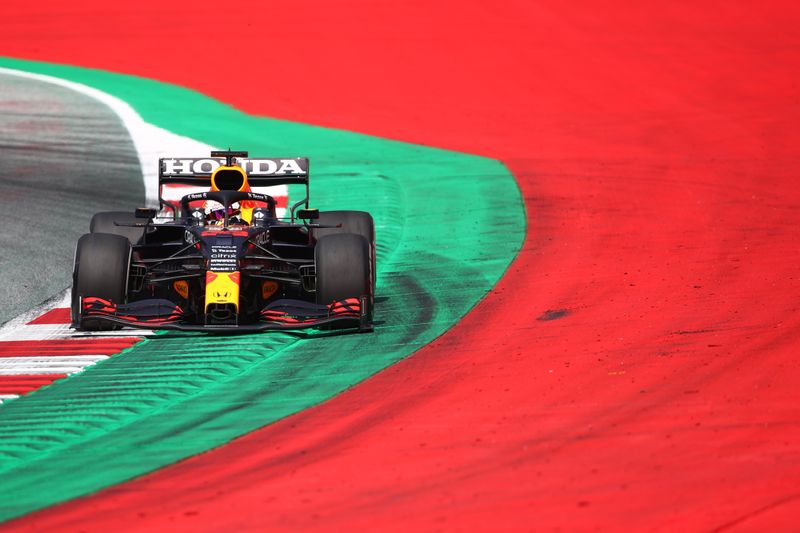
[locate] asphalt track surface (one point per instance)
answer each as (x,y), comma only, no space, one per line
(64,158)
(636,368)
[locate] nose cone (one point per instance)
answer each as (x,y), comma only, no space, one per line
(222,288)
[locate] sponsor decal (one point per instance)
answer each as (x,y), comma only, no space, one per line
(268,288)
(262,238)
(182,288)
(222,258)
(187,166)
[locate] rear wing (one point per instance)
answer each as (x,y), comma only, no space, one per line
(261,172)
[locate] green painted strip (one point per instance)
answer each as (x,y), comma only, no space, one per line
(448,225)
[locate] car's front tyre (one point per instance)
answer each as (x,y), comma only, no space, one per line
(343,269)
(102,264)
(358,222)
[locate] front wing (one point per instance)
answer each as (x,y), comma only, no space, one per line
(279,315)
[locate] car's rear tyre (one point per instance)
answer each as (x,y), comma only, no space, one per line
(102,264)
(343,269)
(107,222)
(358,222)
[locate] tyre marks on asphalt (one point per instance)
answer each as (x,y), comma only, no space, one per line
(65,157)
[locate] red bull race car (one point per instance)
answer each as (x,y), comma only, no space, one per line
(222,259)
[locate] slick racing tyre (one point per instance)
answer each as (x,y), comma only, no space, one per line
(102,263)
(107,222)
(358,222)
(343,269)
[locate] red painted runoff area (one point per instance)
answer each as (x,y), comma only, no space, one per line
(637,366)
(59,315)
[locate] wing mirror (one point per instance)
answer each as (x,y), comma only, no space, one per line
(308,214)
(146,212)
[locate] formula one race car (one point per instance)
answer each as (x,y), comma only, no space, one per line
(222,260)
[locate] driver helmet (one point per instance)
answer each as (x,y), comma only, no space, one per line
(215,212)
